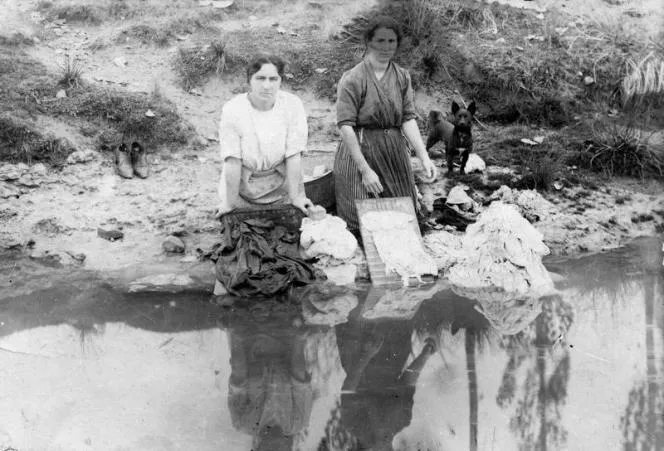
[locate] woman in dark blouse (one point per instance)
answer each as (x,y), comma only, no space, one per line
(376,118)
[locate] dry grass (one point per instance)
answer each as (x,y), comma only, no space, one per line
(614,149)
(95,13)
(643,78)
(195,65)
(27,91)
(72,70)
(21,142)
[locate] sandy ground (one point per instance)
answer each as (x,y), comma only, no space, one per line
(59,213)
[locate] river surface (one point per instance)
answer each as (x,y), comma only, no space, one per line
(85,366)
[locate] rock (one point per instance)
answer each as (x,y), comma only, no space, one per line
(110,235)
(9,172)
(588,80)
(200,141)
(50,227)
(39,169)
(173,245)
(28,181)
(528,141)
(80,258)
(221,4)
(149,113)
(81,156)
(161,282)
(61,94)
(120,61)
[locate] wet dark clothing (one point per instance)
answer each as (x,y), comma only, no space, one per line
(257,258)
(376,109)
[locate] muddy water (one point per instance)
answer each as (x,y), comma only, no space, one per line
(84,366)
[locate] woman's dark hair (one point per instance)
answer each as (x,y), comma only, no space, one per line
(383,22)
(258,61)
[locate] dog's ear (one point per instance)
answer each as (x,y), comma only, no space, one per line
(455,107)
(435,116)
(472,108)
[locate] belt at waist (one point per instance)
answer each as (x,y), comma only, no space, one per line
(376,128)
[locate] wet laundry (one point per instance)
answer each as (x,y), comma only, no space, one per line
(258,258)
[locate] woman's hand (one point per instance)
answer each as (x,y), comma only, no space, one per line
(223,209)
(302,203)
(430,169)
(371,182)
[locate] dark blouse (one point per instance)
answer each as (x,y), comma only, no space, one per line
(365,101)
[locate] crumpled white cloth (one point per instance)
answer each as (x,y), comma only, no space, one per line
(475,164)
(503,251)
(327,236)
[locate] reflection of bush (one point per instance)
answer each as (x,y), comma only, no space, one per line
(636,427)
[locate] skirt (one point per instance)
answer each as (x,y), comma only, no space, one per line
(388,154)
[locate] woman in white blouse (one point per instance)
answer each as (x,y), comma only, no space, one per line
(262,134)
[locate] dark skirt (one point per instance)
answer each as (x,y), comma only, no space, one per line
(387,153)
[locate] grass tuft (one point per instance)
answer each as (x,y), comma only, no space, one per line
(20,142)
(644,78)
(195,65)
(121,116)
(621,150)
(72,70)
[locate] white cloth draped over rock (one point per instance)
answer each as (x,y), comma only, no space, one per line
(502,251)
(329,240)
(327,236)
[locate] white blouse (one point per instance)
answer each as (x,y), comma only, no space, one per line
(262,140)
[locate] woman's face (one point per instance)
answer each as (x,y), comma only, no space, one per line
(383,44)
(266,82)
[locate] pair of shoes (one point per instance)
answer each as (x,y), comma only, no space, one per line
(123,161)
(139,160)
(132,163)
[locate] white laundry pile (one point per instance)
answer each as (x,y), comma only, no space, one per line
(531,203)
(398,245)
(330,241)
(502,253)
(444,246)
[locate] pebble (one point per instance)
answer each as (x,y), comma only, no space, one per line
(110,235)
(173,245)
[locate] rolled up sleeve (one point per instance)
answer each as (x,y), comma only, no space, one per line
(349,96)
(409,111)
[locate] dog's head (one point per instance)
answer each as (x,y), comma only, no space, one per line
(136,147)
(462,118)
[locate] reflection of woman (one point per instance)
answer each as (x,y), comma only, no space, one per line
(270,394)
(375,110)
(262,135)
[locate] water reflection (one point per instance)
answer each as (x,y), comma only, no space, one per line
(341,369)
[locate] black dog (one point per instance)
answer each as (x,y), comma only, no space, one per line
(456,134)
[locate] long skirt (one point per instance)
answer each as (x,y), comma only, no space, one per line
(387,153)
